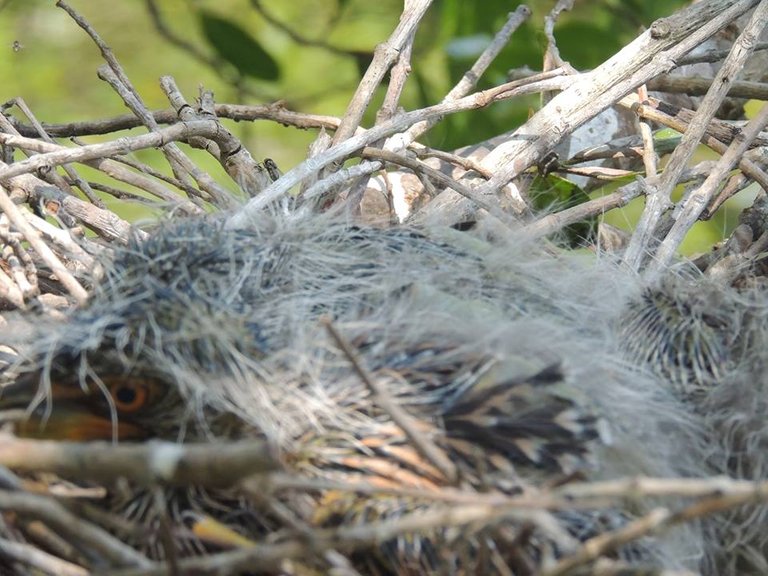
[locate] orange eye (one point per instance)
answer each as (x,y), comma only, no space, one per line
(129,396)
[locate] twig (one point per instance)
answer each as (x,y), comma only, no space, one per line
(385,55)
(179,162)
(552,57)
(32,236)
(714,55)
(718,494)
(467,163)
(345,539)
(397,124)
(695,203)
(21,285)
(323,188)
(551,223)
(646,133)
(439,177)
(472,76)
(105,223)
(82,184)
(596,547)
(660,519)
(204,128)
(39,560)
(75,529)
(229,151)
(211,464)
(398,76)
(114,74)
(659,200)
(11,292)
(637,487)
(238,112)
(717,136)
(698,86)
(652,53)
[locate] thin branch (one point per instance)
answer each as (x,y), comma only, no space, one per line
(205,128)
(696,202)
(397,124)
(385,55)
(471,77)
(238,112)
(439,177)
(85,534)
(659,199)
(211,464)
(698,86)
(652,53)
(39,559)
(31,235)
(82,184)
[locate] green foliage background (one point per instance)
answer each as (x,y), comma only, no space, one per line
(54,71)
(312,60)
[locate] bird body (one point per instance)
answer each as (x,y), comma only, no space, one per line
(708,342)
(505,356)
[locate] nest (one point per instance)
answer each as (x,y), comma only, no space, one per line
(285,378)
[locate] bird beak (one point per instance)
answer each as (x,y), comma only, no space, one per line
(68,413)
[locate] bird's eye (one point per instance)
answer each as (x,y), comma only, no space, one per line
(129,396)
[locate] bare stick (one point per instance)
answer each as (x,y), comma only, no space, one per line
(652,53)
(31,235)
(345,539)
(714,55)
(104,222)
(698,86)
(717,135)
(118,79)
(39,560)
(229,151)
(694,204)
(73,528)
(82,184)
(397,80)
(659,199)
(396,124)
(238,112)
(385,55)
(473,75)
(179,162)
(596,547)
(211,464)
(205,128)
(718,494)
(646,133)
(437,176)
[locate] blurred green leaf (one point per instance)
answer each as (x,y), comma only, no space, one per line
(235,45)
(363,61)
(422,89)
(553,192)
(587,45)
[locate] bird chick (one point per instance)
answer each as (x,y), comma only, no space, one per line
(709,340)
(204,332)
